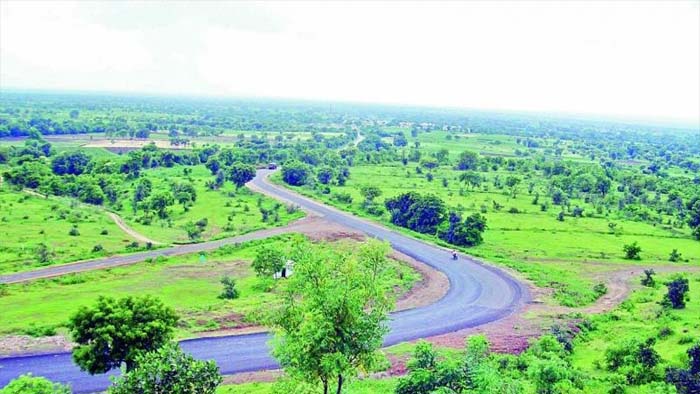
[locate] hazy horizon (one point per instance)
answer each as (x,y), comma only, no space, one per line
(623,61)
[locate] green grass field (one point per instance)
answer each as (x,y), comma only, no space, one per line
(28,220)
(637,317)
(641,317)
(369,386)
(561,254)
(186,283)
(229,212)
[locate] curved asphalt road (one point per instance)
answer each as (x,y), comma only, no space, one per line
(478,294)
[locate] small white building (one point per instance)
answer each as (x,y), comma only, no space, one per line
(286,272)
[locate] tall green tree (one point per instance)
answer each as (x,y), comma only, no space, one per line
(240,174)
(116,331)
(295,173)
(468,160)
(268,261)
(333,318)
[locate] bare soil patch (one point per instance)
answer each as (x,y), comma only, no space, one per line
(513,333)
(131,144)
(23,344)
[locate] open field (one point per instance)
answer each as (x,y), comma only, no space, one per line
(188,283)
(29,221)
(228,211)
(565,255)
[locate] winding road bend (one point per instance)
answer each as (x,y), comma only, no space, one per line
(478,294)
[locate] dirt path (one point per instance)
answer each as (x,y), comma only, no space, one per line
(116,218)
(133,233)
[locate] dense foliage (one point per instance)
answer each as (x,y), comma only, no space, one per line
(117,331)
(168,370)
(28,384)
(334,313)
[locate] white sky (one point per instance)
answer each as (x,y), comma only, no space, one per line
(623,58)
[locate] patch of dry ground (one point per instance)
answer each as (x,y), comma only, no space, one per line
(131,144)
(133,233)
(513,333)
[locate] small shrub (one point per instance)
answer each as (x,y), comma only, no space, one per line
(675,256)
(74,232)
(632,251)
(40,331)
(677,293)
(104,232)
(648,279)
(28,384)
(343,197)
(665,332)
(97,248)
(43,254)
(600,289)
(229,292)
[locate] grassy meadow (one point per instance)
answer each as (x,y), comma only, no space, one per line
(28,221)
(565,255)
(187,283)
(640,316)
(229,212)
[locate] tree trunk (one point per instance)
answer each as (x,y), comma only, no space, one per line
(325,387)
(340,384)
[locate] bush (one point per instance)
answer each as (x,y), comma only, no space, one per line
(97,248)
(687,381)
(295,173)
(677,293)
(43,254)
(634,359)
(268,261)
(600,290)
(168,370)
(28,384)
(74,232)
(632,251)
(40,331)
(648,279)
(343,197)
(230,292)
(675,256)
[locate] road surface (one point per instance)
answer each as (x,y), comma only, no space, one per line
(478,294)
